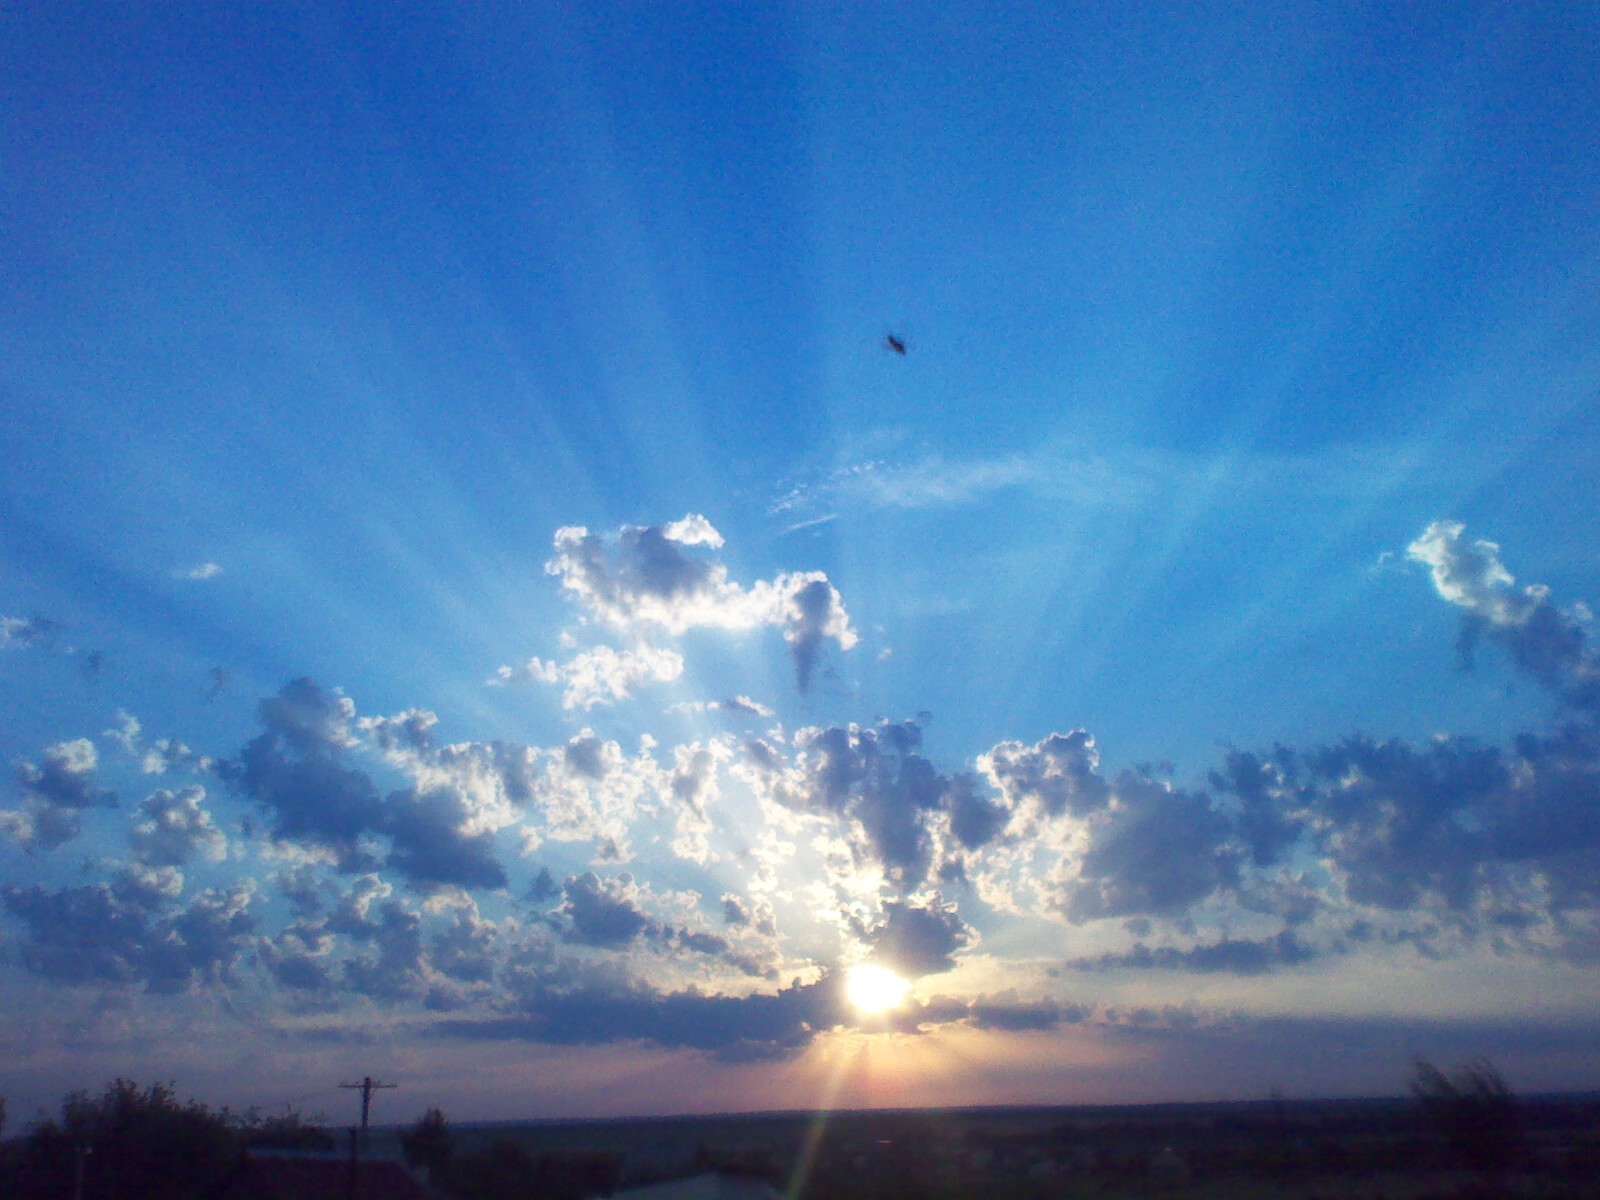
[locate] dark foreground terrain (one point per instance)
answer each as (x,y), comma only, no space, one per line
(1352,1148)
(1458,1137)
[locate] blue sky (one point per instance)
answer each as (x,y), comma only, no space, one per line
(483,606)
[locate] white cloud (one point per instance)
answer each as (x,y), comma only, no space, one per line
(199,573)
(642,579)
(739,705)
(603,675)
(20,632)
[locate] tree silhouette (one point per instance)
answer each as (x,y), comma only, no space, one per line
(428,1143)
(1476,1113)
(128,1142)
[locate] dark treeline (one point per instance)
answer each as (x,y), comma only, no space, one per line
(132,1142)
(1461,1134)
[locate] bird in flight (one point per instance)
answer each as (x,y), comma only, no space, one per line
(890,342)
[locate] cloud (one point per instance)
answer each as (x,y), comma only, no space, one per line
(1549,643)
(535,670)
(394,970)
(1238,956)
(434,841)
(132,933)
(173,827)
(441,829)
(733,1028)
(644,579)
(1006,1012)
(603,675)
(22,632)
(294,771)
(886,794)
(1056,775)
(1154,850)
(603,912)
(847,838)
(198,573)
(55,795)
(919,939)
(738,705)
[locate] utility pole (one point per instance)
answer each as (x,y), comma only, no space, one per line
(368,1085)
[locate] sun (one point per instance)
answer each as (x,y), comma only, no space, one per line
(874,989)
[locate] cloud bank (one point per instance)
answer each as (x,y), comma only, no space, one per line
(708,894)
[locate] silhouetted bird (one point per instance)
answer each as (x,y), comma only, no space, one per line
(891,342)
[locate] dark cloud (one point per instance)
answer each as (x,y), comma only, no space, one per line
(394,970)
(1003,1012)
(1154,852)
(1056,775)
(976,819)
(586,755)
(543,887)
(131,933)
(55,795)
(918,940)
(757,1026)
(1238,956)
(871,777)
(431,844)
(67,778)
(467,950)
(294,771)
(816,612)
(603,912)
(1269,819)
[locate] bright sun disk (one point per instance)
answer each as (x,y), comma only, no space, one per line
(874,989)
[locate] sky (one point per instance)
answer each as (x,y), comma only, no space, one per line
(484,606)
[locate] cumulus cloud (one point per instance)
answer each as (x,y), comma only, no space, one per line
(603,675)
(132,933)
(603,912)
(645,578)
(919,939)
(198,573)
(295,771)
(845,836)
(1550,643)
(1058,774)
(535,670)
(1154,850)
(434,841)
(440,829)
(55,794)
(877,780)
(173,827)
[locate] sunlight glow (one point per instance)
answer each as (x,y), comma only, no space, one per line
(873,989)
